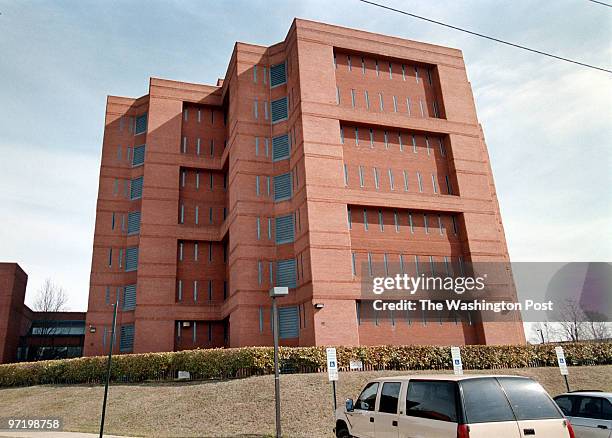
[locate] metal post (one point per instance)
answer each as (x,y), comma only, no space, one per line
(566,383)
(108,367)
(276,370)
(335,402)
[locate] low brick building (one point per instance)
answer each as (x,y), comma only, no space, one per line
(27,335)
(332,149)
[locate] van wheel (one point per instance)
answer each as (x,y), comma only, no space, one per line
(342,432)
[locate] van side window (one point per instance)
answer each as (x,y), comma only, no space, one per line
(367,399)
(594,407)
(436,400)
(529,400)
(481,392)
(389,396)
(565,403)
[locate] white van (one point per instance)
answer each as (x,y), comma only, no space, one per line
(441,406)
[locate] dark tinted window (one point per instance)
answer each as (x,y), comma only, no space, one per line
(481,393)
(432,399)
(367,399)
(389,397)
(607,410)
(593,407)
(528,399)
(565,403)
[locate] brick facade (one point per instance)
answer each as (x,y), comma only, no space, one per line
(375,123)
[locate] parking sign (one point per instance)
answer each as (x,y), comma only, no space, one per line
(332,364)
(457,364)
(561,361)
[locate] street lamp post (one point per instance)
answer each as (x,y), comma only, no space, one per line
(274,293)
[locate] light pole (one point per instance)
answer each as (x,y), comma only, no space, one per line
(108,366)
(274,293)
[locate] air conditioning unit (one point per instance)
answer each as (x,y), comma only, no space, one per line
(186,324)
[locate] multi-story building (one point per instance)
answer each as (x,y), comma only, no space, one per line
(331,149)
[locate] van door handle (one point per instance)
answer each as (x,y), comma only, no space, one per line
(394,423)
(601,426)
(529,431)
(371,419)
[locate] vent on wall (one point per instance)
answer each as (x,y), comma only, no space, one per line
(138,157)
(284,229)
(288,322)
(136,188)
(131,259)
(282,187)
(280,110)
(133,222)
(140,125)
(286,273)
(278,75)
(280,147)
(126,340)
(129,297)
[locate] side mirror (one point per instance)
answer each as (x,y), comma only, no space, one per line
(349,405)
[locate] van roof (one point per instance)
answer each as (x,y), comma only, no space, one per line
(451,377)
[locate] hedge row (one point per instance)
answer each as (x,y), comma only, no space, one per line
(242,362)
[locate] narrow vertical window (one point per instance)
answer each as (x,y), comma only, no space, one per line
(391,182)
(342,135)
(268,185)
(259,272)
(265,105)
(376,181)
(182,217)
(442,148)
(269,228)
(416,265)
(195,296)
(416,74)
(184,145)
(255,73)
(210,215)
(183,177)
(377,68)
(436,109)
(365,219)
(338,95)
(210,251)
(448,185)
(119,154)
(257,185)
(422,107)
(180,291)
(255,113)
(353,98)
(401,143)
(446,266)
(401,262)
(261,318)
(396,221)
(181,251)
(427,145)
(346,181)
(361,176)
(195,252)
(271,272)
(405,180)
(454,219)
(381,103)
(434,183)
(394,103)
(420,181)
(432,265)
(363,68)
(390,71)
(381,222)
(197,215)
(367,99)
(369,264)
(265,75)
(371,138)
(440,225)
(185,114)
(414,144)
(403,72)
(210,290)
(212,147)
(113,221)
(267,145)
(411,223)
(429,78)
(199,115)
(348,218)
(335,61)
(258,222)
(256,146)
(408,106)
(198,142)
(120,258)
(348,62)
(426,223)
(197,179)
(353,267)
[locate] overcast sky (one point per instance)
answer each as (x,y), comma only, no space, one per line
(547,123)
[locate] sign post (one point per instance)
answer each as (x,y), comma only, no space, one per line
(457,364)
(332,371)
(562,365)
(276,292)
(108,366)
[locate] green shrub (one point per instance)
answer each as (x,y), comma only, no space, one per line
(219,363)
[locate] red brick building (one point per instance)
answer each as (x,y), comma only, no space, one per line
(209,195)
(27,335)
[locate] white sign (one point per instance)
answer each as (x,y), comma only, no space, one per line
(184,375)
(457,364)
(356,365)
(561,361)
(332,364)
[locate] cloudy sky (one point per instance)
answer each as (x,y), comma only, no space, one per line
(547,123)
